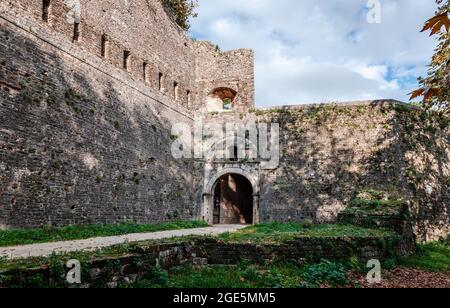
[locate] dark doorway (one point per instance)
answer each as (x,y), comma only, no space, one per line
(233,200)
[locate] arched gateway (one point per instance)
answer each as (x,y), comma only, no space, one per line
(231,197)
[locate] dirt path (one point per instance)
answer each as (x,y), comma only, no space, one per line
(411,278)
(92,244)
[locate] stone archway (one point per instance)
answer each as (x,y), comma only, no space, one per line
(233,200)
(231,197)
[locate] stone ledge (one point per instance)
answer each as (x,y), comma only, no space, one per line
(110,271)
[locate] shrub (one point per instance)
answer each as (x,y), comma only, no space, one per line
(181,10)
(157,277)
(328,272)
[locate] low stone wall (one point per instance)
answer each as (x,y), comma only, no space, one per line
(110,272)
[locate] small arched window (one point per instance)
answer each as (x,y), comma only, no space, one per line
(161,82)
(175,90)
(104,51)
(126,60)
(222,99)
(188,98)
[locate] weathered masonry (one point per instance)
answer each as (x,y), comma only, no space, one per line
(90,90)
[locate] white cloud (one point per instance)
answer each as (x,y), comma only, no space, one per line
(315,51)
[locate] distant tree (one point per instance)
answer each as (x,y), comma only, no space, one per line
(182,11)
(435,88)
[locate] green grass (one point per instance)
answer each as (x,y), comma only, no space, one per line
(245,275)
(430,257)
(280,232)
(42,235)
(433,257)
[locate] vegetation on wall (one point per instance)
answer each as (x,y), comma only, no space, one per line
(182,11)
(245,275)
(432,257)
(435,88)
(371,199)
(280,232)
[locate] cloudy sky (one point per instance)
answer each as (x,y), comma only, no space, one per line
(323,50)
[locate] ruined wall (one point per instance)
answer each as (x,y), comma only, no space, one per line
(232,69)
(329,153)
(122,269)
(81,141)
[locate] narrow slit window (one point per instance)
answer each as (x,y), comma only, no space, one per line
(188,98)
(45,10)
(161,82)
(175,90)
(104,46)
(76,31)
(126,60)
(247,140)
(144,72)
(235,156)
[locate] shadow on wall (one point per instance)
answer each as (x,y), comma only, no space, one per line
(78,147)
(233,197)
(331,152)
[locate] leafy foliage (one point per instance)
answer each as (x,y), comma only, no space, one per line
(326,272)
(182,11)
(245,275)
(227,104)
(435,88)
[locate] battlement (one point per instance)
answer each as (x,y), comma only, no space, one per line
(143,40)
(224,76)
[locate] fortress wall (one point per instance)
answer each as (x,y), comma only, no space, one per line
(81,141)
(329,153)
(232,69)
(156,45)
(141,27)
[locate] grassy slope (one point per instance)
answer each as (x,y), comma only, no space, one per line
(42,235)
(433,257)
(279,232)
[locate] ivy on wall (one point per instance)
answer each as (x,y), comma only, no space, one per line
(182,11)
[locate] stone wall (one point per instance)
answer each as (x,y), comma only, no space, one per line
(89,93)
(123,269)
(328,153)
(80,140)
(140,27)
(159,53)
(85,135)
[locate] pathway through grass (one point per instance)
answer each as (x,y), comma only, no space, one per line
(44,235)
